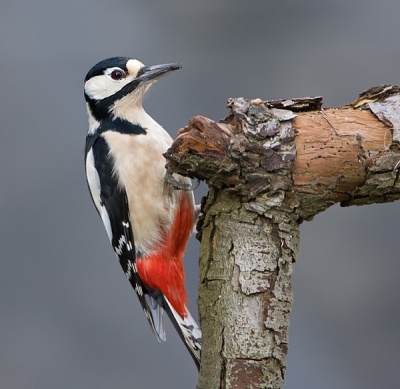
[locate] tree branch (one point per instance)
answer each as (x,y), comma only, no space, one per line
(269,166)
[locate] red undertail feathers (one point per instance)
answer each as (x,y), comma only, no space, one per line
(163,269)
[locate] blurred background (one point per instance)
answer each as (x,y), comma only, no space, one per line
(68,317)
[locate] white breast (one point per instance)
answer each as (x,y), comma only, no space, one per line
(140,169)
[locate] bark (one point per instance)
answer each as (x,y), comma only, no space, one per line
(269,166)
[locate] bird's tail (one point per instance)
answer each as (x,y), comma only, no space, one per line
(188,330)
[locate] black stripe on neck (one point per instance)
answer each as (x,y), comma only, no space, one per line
(122,126)
(100,109)
(117,125)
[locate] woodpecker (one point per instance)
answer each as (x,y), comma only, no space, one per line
(147,220)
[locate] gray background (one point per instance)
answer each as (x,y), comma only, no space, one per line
(68,317)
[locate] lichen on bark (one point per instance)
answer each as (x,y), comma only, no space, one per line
(269,166)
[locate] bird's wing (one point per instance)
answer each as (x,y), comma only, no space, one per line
(112,204)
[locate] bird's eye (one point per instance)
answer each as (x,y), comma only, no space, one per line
(117,74)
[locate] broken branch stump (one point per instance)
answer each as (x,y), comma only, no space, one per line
(269,166)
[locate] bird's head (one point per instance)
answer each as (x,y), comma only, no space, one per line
(116,85)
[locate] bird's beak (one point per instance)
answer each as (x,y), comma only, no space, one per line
(145,76)
(152,73)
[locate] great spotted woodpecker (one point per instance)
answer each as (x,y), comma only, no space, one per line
(147,220)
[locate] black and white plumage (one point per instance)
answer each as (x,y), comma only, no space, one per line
(147,221)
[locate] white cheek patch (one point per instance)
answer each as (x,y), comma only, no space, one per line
(100,87)
(103,86)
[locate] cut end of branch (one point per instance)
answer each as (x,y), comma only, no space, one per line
(319,157)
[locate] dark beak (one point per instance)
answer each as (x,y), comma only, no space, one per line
(146,74)
(152,73)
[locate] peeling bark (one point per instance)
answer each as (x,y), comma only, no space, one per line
(269,166)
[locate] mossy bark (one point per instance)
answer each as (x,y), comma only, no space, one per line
(245,293)
(268,169)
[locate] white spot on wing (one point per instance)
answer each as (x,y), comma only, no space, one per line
(139,290)
(94,186)
(106,221)
(93,179)
(131,268)
(121,242)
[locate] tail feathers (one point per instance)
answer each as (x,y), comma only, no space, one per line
(157,322)
(188,331)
